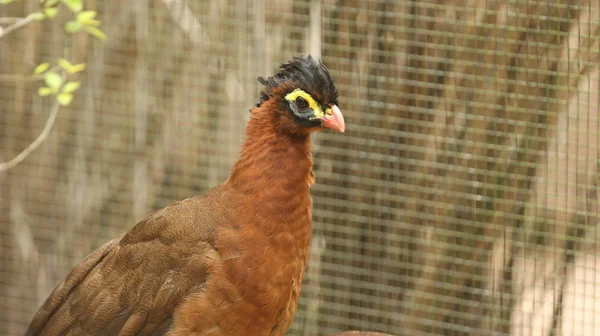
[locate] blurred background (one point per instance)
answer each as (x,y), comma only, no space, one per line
(462,199)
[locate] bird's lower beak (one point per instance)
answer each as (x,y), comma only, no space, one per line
(335,121)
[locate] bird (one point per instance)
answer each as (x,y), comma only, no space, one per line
(227,261)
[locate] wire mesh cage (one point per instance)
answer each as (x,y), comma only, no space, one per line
(462,199)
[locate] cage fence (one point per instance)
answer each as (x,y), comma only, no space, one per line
(462,199)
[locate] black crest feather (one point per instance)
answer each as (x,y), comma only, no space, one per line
(305,73)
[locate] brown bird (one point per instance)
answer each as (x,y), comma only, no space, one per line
(229,261)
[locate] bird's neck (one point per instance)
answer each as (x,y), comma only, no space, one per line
(272,162)
(274,172)
(271,180)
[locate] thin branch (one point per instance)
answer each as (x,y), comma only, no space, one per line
(35,144)
(9,20)
(20,23)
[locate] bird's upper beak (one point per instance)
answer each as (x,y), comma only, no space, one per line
(335,120)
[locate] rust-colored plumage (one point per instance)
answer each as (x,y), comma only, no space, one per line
(229,261)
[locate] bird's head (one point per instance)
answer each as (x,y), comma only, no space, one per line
(304,96)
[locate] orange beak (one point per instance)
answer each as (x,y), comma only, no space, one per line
(335,121)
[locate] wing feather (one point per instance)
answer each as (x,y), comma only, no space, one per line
(133,284)
(56,299)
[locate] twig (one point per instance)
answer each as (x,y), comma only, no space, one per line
(9,20)
(20,23)
(35,144)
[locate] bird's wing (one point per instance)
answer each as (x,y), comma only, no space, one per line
(132,284)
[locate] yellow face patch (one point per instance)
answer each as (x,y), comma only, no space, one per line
(312,103)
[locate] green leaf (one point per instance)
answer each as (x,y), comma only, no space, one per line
(41,68)
(45,91)
(86,16)
(38,16)
(53,80)
(50,12)
(77,68)
(74,5)
(65,64)
(72,27)
(64,99)
(5,2)
(96,32)
(70,87)
(93,23)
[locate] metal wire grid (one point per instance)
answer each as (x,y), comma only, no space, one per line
(462,200)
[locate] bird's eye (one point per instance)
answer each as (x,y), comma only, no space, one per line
(301,103)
